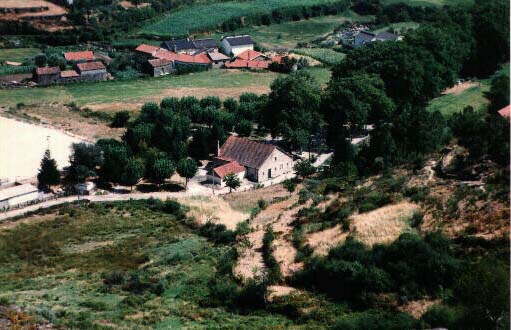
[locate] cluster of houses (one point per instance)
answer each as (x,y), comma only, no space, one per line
(364,37)
(236,52)
(88,66)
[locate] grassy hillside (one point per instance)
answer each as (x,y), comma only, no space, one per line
(324,55)
(288,34)
(206,16)
(17,54)
(128,93)
(429,2)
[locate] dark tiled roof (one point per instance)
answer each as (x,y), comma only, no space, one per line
(177,45)
(246,152)
(89,66)
(365,35)
(239,40)
(386,36)
(231,167)
(205,43)
(47,70)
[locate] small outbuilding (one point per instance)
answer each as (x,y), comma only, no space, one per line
(47,75)
(218,174)
(16,196)
(160,67)
(218,60)
(92,71)
(68,76)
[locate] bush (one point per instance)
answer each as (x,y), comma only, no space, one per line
(274,274)
(115,277)
(440,316)
(417,219)
(262,204)
(366,207)
(217,233)
(120,119)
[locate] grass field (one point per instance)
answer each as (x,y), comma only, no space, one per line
(202,17)
(55,266)
(400,28)
(116,94)
(288,34)
(429,2)
(324,55)
(17,54)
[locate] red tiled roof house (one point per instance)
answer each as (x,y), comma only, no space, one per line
(261,161)
(86,55)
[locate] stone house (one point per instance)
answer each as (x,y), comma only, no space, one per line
(218,60)
(47,75)
(92,71)
(160,66)
(233,46)
(261,161)
(68,76)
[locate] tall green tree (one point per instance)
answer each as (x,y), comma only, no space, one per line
(499,92)
(162,169)
(304,169)
(232,181)
(48,173)
(187,168)
(133,172)
(115,158)
(85,160)
(293,105)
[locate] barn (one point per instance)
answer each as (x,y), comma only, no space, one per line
(18,196)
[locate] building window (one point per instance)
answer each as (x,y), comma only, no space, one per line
(275,158)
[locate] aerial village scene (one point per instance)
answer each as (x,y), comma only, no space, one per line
(255,164)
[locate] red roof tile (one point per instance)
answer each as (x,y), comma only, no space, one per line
(47,70)
(183,58)
(251,55)
(246,152)
(86,55)
(89,66)
(505,112)
(69,74)
(232,167)
(148,49)
(239,64)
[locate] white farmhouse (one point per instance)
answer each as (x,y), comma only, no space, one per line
(233,46)
(256,161)
(18,196)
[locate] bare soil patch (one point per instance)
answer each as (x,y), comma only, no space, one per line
(417,308)
(459,88)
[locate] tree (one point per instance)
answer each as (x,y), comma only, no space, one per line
(40,60)
(162,169)
(48,173)
(187,168)
(115,158)
(120,119)
(499,92)
(289,185)
(304,168)
(133,172)
(85,159)
(293,105)
(231,105)
(211,101)
(243,127)
(232,181)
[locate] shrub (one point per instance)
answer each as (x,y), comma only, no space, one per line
(366,207)
(417,219)
(262,204)
(120,119)
(218,233)
(440,316)
(274,274)
(115,277)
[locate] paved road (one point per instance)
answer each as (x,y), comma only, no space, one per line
(192,191)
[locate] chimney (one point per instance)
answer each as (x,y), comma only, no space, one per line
(217,148)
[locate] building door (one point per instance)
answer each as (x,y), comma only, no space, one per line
(269,173)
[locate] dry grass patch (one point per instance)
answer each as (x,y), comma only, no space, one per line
(417,308)
(246,200)
(322,241)
(214,209)
(383,225)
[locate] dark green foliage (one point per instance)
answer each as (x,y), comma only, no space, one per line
(304,169)
(232,181)
(115,159)
(49,174)
(376,320)
(411,266)
(161,169)
(187,168)
(200,147)
(441,316)
(243,127)
(171,103)
(84,160)
(217,233)
(121,119)
(499,92)
(289,185)
(40,60)
(133,171)
(274,274)
(211,101)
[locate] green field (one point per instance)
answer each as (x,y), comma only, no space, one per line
(429,2)
(324,55)
(288,34)
(202,17)
(401,27)
(222,83)
(18,54)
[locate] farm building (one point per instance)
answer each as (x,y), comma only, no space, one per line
(190,46)
(251,59)
(505,112)
(82,56)
(92,71)
(261,161)
(364,37)
(18,196)
(69,76)
(47,75)
(148,50)
(159,67)
(218,60)
(217,175)
(233,46)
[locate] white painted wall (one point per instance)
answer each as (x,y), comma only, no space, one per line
(278,162)
(227,49)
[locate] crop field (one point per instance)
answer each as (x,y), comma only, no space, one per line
(17,54)
(288,34)
(207,16)
(324,55)
(130,94)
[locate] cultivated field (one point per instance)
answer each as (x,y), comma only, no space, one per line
(206,16)
(429,2)
(130,94)
(324,55)
(288,34)
(455,102)
(17,54)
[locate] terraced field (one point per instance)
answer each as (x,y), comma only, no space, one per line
(207,16)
